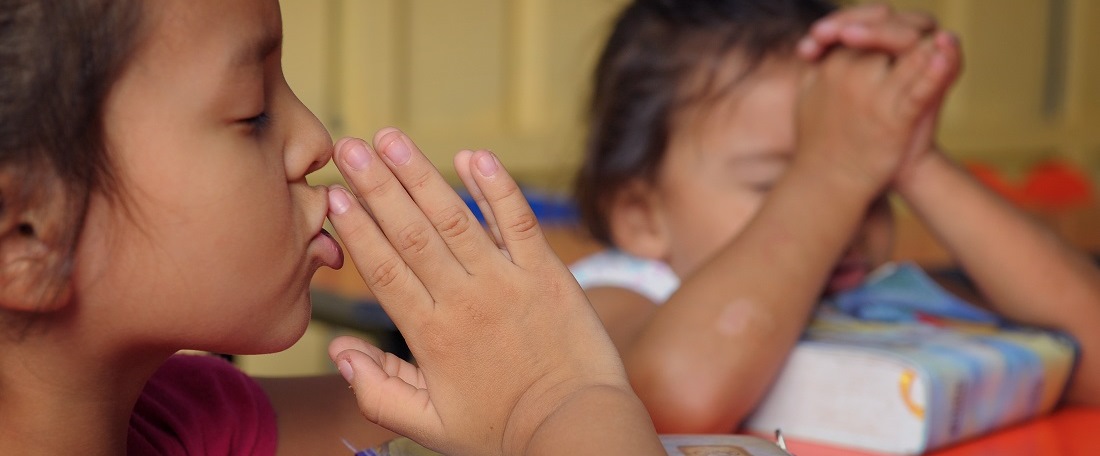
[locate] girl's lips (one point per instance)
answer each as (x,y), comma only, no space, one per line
(328,249)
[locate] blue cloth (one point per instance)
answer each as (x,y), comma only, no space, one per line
(902,292)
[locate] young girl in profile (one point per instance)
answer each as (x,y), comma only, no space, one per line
(738,163)
(153,198)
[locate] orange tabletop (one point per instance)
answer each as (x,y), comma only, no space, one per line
(1070,431)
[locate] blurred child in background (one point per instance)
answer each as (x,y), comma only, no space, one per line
(739,159)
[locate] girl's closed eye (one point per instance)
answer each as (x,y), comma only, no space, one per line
(762,186)
(757,170)
(760,176)
(258,122)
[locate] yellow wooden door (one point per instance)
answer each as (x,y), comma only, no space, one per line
(506,75)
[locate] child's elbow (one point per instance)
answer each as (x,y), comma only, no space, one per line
(693,418)
(685,404)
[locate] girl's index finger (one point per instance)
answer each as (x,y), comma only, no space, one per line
(398,290)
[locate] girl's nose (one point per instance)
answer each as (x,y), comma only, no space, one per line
(309,146)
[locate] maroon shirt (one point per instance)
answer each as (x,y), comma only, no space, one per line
(202,405)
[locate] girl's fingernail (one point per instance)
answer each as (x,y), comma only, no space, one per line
(357,157)
(338,200)
(397,151)
(345,370)
(340,143)
(487,165)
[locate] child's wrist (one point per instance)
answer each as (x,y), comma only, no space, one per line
(596,404)
(837,182)
(912,178)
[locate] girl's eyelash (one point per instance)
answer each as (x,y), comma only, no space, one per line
(258,122)
(762,187)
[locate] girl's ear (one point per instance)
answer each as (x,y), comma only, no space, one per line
(32,251)
(637,223)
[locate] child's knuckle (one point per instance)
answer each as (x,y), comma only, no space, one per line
(412,240)
(353,233)
(376,189)
(452,222)
(419,180)
(385,273)
(506,193)
(522,226)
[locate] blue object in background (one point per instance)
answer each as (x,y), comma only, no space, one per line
(902,292)
(549,209)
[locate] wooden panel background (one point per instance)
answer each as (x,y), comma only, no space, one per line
(513,76)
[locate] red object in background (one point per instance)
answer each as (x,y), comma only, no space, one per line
(992,178)
(1048,185)
(1056,185)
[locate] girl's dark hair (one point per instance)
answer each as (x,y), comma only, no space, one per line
(654,48)
(58,60)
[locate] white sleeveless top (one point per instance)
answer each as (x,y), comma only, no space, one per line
(613,268)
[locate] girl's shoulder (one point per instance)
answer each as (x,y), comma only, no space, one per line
(615,268)
(196,404)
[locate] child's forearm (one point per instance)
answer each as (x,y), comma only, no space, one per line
(709,353)
(1024,270)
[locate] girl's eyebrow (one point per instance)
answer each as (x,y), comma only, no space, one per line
(757,155)
(259,47)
